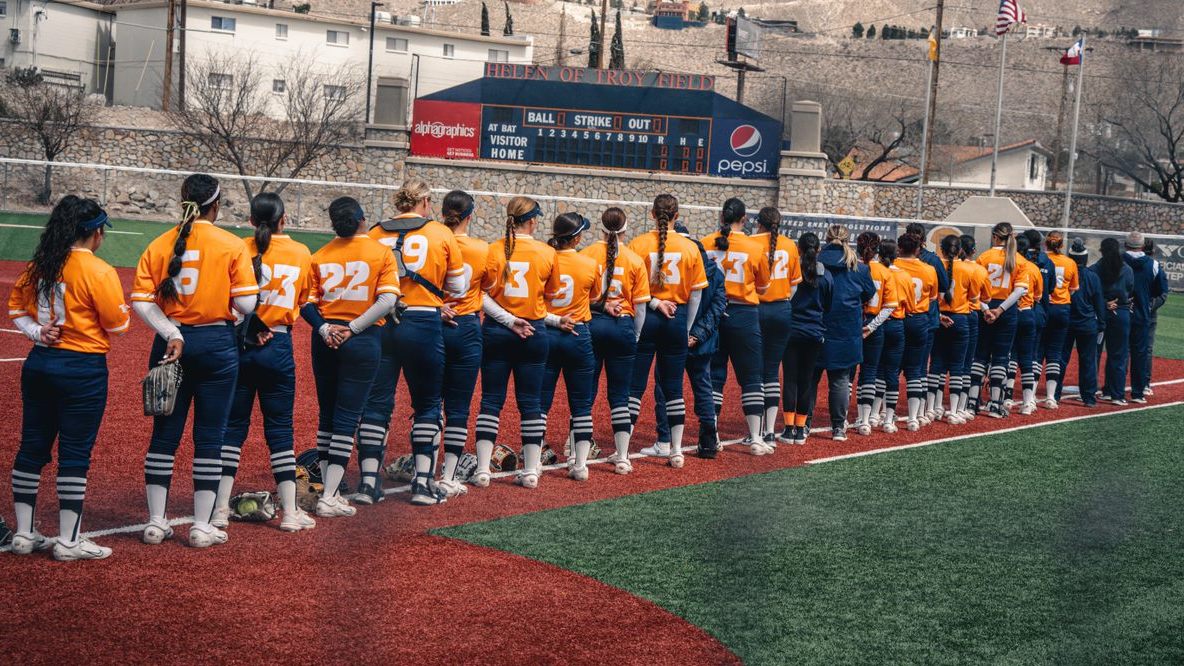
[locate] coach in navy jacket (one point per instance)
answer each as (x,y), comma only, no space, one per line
(1087,321)
(1147,288)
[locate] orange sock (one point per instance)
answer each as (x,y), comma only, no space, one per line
(789,418)
(799,420)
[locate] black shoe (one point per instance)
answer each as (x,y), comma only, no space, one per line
(787,435)
(368,494)
(708,442)
(707,452)
(426,494)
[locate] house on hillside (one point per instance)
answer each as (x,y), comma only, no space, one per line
(70,42)
(1155,41)
(1022,166)
(1041,31)
(962,32)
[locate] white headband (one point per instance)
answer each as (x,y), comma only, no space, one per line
(213,197)
(618,231)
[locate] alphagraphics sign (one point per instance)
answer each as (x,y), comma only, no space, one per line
(446,129)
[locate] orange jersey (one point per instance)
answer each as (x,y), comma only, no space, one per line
(87,304)
(285,282)
(629,284)
(214,270)
(349,274)
(579,283)
(786,271)
(999,282)
(1035,283)
(430,251)
(922,285)
(981,290)
(682,265)
(745,265)
(886,290)
(965,286)
(474,252)
(904,286)
(531,276)
(1067,279)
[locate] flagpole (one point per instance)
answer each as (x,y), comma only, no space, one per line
(998,116)
(1073,141)
(925,143)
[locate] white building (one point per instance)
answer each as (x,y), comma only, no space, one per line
(963,33)
(69,41)
(1041,31)
(1022,166)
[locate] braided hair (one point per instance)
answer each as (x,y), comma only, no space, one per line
(888,252)
(808,247)
(519,211)
(613,220)
(267,209)
(457,207)
(665,212)
(65,227)
(866,246)
(732,212)
(199,195)
(769,219)
(951,246)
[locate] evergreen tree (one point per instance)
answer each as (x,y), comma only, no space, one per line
(703,11)
(484,20)
(740,12)
(594,44)
(884,34)
(617,50)
(871,32)
(857,31)
(509,31)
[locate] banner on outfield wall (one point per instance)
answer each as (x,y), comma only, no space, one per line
(794,226)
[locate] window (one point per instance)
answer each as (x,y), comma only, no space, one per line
(335,93)
(499,55)
(396,44)
(281,30)
(337,37)
(449,50)
(390,102)
(1033,166)
(221,81)
(3,9)
(279,86)
(222,23)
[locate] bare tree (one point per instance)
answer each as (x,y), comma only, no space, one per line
(49,115)
(884,132)
(269,123)
(1142,125)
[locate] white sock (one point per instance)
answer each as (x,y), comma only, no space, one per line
(158,497)
(581,451)
(676,439)
(532,458)
(621,441)
(287,492)
(890,416)
(877,405)
(770,424)
(1051,389)
(24,517)
(333,475)
(203,507)
(754,426)
(324,465)
(915,408)
(864,412)
(370,465)
(996,394)
(68,527)
(484,453)
(570,444)
(1029,395)
(930,401)
(225,490)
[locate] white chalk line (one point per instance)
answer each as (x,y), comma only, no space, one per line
(35,226)
(11,360)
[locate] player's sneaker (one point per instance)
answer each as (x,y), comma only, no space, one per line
(770,441)
(204,537)
(676,461)
(368,495)
(482,479)
(452,488)
(85,549)
(924,421)
(928,417)
(755,447)
(221,517)
(967,415)
(996,410)
(658,450)
(787,435)
(528,479)
(938,414)
(913,425)
(838,434)
(24,543)
(1148,392)
(1050,403)
(890,427)
(578,473)
(156,532)
(296,521)
(334,507)
(1139,401)
(875,421)
(864,429)
(1028,408)
(1119,402)
(953,418)
(623,467)
(427,494)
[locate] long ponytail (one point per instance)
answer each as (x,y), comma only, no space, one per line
(808,249)
(613,220)
(267,209)
(199,194)
(732,212)
(888,252)
(769,219)
(519,211)
(840,235)
(457,207)
(1004,233)
(665,211)
(71,220)
(950,247)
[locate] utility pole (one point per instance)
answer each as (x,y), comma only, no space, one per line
(603,17)
(181,53)
(1057,145)
(370,64)
(166,96)
(932,94)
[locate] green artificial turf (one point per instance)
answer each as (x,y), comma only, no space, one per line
(1062,544)
(1169,334)
(19,233)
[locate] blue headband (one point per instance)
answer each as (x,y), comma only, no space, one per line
(529,215)
(468,211)
(584,225)
(98,221)
(359,214)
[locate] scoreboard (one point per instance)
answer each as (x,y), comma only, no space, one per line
(607,119)
(596,139)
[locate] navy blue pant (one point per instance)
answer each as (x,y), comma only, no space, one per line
(614,346)
(209,363)
(869,370)
(64,394)
(343,380)
(1052,345)
(838,394)
(1087,363)
(1024,353)
(268,372)
(699,374)
(775,320)
(916,347)
(995,340)
(526,360)
(1140,357)
(666,340)
(973,322)
(463,346)
(740,343)
(1118,332)
(890,361)
(571,356)
(949,349)
(800,357)
(415,348)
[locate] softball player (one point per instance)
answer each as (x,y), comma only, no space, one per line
(677,279)
(430,268)
(775,311)
(68,302)
(462,336)
(1026,337)
(355,285)
(283,267)
(519,273)
(949,350)
(1007,283)
(745,264)
(570,346)
(888,384)
(617,321)
(923,291)
(876,313)
(807,330)
(932,382)
(1056,330)
(188,284)
(968,404)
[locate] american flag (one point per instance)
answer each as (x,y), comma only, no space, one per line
(1009,15)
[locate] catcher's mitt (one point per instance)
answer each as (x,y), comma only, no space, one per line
(400,471)
(307,492)
(593,451)
(466,466)
(253,507)
(160,389)
(310,462)
(504,459)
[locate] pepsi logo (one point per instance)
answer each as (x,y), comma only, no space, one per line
(746,141)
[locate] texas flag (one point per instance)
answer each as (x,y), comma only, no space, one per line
(1074,55)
